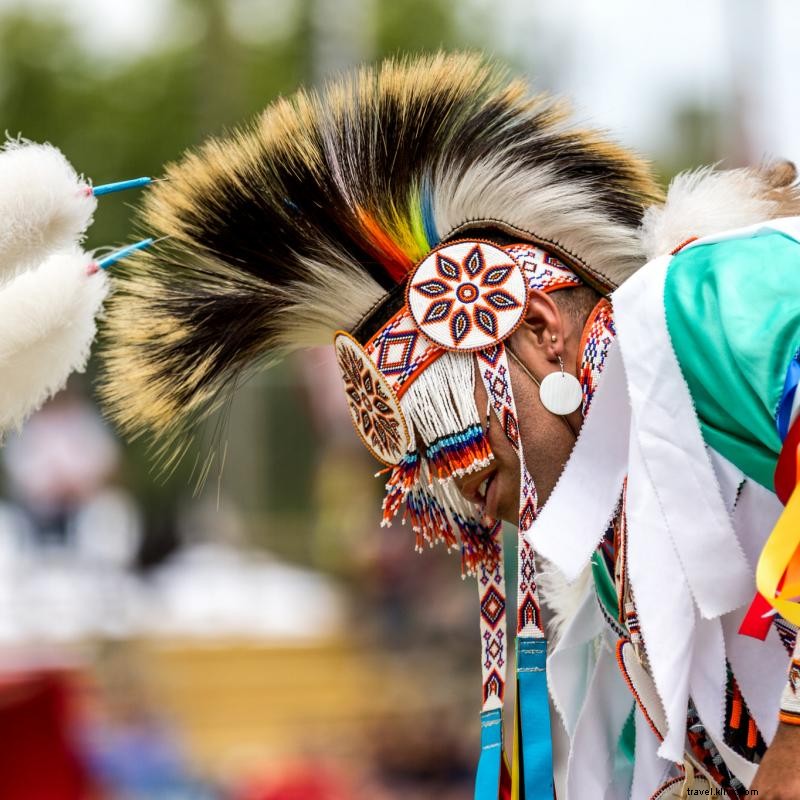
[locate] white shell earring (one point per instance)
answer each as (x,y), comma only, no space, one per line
(560,392)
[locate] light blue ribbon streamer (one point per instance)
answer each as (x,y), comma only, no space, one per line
(124,252)
(535,745)
(120,186)
(487,781)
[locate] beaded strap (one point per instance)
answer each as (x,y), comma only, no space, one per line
(790,699)
(533,754)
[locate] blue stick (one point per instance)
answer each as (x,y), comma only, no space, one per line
(118,255)
(120,186)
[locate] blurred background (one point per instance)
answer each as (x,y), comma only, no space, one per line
(260,637)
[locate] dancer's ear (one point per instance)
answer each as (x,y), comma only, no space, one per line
(539,340)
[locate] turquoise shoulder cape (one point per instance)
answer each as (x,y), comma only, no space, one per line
(733,315)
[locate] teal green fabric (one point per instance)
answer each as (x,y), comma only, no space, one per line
(627,739)
(733,315)
(604,585)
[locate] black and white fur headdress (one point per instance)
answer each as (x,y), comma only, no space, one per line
(301,223)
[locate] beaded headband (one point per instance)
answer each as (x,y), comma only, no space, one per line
(410,383)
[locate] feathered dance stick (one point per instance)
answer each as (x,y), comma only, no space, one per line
(50,290)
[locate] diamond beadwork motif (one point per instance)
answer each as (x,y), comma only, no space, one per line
(492,606)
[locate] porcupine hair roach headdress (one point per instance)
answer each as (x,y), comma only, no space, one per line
(311,220)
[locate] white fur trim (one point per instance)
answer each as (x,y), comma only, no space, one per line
(562,598)
(47,325)
(701,203)
(44,205)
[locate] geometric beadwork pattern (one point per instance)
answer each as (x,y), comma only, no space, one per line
(400,351)
(598,334)
(493,367)
(790,700)
(493,690)
(529,616)
(395,352)
(492,595)
(492,606)
(543,271)
(376,413)
(467,295)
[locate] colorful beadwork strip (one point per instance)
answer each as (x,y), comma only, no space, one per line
(543,271)
(790,700)
(400,351)
(492,597)
(598,334)
(455,454)
(493,368)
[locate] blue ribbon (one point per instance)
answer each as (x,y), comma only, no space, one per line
(120,186)
(124,252)
(535,744)
(487,781)
(783,417)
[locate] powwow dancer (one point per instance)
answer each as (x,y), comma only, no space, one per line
(496,282)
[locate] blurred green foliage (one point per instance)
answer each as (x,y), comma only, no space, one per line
(130,117)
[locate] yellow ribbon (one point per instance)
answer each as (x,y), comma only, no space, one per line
(515,776)
(780,557)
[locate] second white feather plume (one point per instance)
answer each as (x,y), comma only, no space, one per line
(47,325)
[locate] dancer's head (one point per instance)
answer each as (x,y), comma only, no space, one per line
(450,231)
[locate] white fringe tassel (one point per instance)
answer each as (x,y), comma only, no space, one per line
(441,401)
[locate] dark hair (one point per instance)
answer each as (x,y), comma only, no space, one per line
(577,302)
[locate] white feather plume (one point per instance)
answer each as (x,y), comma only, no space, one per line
(541,202)
(44,205)
(561,598)
(47,325)
(704,202)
